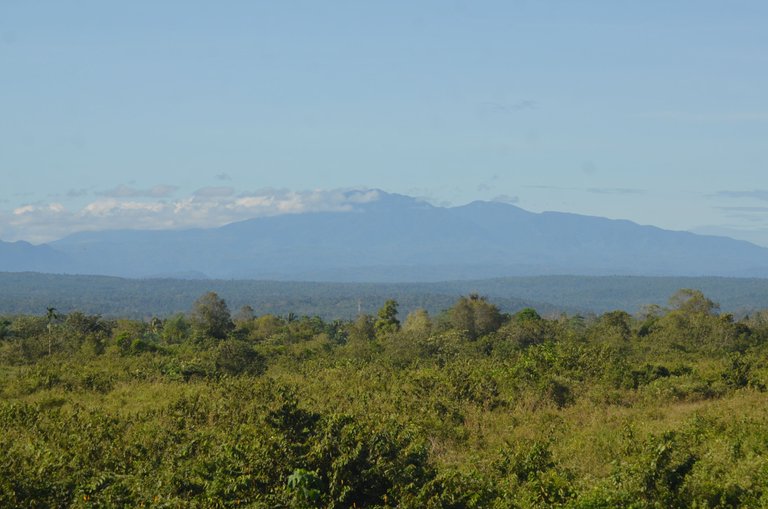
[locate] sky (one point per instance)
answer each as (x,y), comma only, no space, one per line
(175,114)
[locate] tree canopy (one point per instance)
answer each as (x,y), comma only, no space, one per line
(210,316)
(472,409)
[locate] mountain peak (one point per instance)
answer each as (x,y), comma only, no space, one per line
(495,205)
(379,200)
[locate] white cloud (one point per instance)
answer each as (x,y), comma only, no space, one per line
(205,208)
(26,209)
(55,208)
(113,206)
(252,202)
(363,196)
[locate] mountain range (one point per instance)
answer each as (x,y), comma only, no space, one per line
(395,238)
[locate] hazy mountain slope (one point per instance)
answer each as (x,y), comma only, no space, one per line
(398,238)
(21,256)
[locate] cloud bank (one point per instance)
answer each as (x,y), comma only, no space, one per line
(127,208)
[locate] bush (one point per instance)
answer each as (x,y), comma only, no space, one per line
(235,357)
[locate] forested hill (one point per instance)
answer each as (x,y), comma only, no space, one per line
(398,238)
(139,298)
(110,296)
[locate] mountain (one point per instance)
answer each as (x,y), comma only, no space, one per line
(398,238)
(23,256)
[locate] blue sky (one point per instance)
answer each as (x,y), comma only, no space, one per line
(184,113)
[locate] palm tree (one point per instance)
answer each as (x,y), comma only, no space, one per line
(52,316)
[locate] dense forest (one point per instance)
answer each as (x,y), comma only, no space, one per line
(29,292)
(465,408)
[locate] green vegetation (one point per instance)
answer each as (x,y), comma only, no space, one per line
(29,293)
(467,408)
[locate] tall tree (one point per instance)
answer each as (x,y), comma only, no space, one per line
(210,316)
(475,316)
(52,316)
(386,320)
(691,301)
(418,322)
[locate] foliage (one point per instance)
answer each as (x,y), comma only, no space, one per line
(210,316)
(386,319)
(663,409)
(475,316)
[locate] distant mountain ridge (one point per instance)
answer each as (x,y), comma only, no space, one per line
(399,238)
(22,256)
